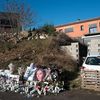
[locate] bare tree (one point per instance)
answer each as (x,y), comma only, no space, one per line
(25,17)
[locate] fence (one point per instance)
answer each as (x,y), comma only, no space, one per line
(90,79)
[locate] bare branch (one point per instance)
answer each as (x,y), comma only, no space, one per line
(26,16)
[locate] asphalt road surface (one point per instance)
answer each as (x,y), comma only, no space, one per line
(67,95)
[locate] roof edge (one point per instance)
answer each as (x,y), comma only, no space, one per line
(77,22)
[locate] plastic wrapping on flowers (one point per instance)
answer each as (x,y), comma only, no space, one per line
(36,87)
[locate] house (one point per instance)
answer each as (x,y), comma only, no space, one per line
(9,22)
(80,28)
(87,34)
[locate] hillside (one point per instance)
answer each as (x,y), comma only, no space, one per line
(20,53)
(41,52)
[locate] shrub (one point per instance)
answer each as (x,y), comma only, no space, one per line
(49,52)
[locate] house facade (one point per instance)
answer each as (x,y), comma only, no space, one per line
(9,22)
(80,28)
(87,34)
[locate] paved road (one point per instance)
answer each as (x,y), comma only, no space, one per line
(68,95)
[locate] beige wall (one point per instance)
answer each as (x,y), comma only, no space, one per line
(73,50)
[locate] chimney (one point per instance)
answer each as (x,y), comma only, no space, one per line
(78,19)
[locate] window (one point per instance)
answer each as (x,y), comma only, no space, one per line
(98,45)
(92,28)
(76,46)
(76,50)
(77,55)
(8,22)
(67,30)
(5,22)
(93,61)
(99,24)
(82,27)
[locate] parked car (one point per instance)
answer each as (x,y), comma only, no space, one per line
(91,62)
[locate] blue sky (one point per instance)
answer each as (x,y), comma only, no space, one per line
(63,11)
